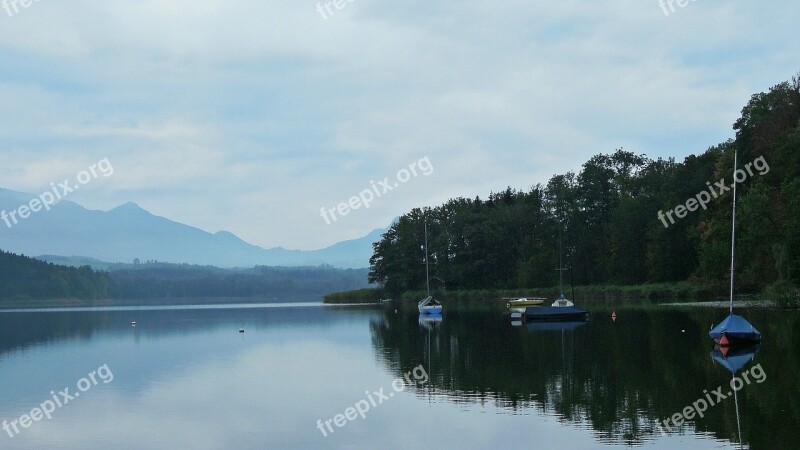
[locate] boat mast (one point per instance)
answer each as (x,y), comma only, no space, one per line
(427,276)
(560,266)
(733,226)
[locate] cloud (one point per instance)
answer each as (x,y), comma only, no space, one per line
(249,116)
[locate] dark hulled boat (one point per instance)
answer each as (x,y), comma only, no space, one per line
(562,311)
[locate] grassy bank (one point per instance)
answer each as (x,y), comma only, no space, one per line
(369,295)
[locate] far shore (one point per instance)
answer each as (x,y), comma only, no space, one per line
(89,303)
(754,303)
(673,294)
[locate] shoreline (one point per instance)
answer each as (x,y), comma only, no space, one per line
(646,293)
(755,303)
(103,303)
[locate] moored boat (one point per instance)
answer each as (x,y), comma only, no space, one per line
(561,310)
(524,302)
(734,330)
(429,305)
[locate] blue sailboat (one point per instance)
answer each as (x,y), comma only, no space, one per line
(734,330)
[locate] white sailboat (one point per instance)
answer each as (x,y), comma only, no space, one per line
(428,305)
(562,310)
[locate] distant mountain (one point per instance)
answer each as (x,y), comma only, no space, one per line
(129,232)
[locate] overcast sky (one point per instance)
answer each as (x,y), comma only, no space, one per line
(250,116)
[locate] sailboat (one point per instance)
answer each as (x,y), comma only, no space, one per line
(734,330)
(428,305)
(562,309)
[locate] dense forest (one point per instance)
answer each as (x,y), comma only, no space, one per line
(23,277)
(612,218)
(28,278)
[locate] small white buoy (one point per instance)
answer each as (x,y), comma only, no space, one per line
(683,331)
(133,324)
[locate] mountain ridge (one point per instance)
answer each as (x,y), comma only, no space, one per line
(128,232)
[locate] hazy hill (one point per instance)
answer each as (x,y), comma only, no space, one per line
(25,278)
(129,232)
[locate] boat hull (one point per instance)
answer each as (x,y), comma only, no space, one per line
(731,340)
(430,309)
(429,306)
(523,303)
(735,331)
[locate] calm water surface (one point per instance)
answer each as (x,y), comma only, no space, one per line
(186,378)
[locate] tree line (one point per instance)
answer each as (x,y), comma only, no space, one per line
(23,277)
(608,218)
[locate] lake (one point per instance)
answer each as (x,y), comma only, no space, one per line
(307,376)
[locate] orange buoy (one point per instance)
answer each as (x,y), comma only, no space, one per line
(614,316)
(724,341)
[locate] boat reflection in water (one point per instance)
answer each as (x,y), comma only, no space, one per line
(554,326)
(429,321)
(615,381)
(734,359)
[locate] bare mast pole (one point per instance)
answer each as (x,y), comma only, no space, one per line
(427,276)
(560,265)
(733,226)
